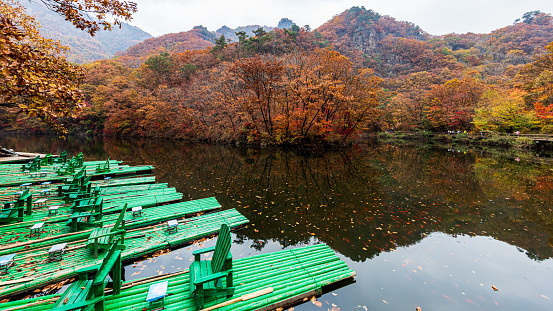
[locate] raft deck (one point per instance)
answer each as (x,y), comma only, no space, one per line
(33,270)
(18,179)
(15,237)
(293,274)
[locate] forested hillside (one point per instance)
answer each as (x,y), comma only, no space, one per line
(357,73)
(83,47)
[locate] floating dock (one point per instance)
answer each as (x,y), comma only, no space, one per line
(15,237)
(32,268)
(18,179)
(293,275)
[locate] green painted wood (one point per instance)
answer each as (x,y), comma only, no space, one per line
(141,242)
(301,272)
(206,276)
(18,179)
(56,226)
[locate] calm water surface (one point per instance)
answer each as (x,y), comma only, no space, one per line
(422,227)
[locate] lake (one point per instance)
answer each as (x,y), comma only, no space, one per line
(422,226)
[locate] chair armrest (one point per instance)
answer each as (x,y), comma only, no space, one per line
(204,250)
(107,234)
(212,277)
(88,269)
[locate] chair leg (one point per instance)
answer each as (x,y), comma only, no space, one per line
(200,298)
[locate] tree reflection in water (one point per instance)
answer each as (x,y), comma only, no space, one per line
(364,202)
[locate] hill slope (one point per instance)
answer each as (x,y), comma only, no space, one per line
(396,48)
(85,48)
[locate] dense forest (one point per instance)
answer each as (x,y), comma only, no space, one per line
(359,72)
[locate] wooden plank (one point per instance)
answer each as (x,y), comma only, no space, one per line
(16,281)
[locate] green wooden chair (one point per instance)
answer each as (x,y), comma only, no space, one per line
(88,294)
(16,210)
(101,168)
(87,213)
(102,238)
(206,277)
(61,159)
(77,183)
(48,159)
(32,166)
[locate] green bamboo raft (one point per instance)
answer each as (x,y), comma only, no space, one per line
(112,204)
(16,168)
(18,179)
(114,187)
(33,270)
(292,274)
(15,237)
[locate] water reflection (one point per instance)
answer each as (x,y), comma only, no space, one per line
(422,227)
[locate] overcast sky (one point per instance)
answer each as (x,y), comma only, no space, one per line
(436,17)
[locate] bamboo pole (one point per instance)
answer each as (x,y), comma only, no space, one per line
(32,304)
(245,297)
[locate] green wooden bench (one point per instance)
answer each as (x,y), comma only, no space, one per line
(67,168)
(88,294)
(101,238)
(206,277)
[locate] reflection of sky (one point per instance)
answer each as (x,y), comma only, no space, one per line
(452,273)
(440,272)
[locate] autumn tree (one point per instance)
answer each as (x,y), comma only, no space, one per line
(504,111)
(451,105)
(407,107)
(318,96)
(34,74)
(537,78)
(105,13)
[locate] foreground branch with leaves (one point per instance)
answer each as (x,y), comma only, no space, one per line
(35,76)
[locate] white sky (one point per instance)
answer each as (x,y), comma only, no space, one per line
(436,17)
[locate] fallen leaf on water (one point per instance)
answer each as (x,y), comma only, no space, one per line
(334,294)
(315,302)
(136,273)
(494,288)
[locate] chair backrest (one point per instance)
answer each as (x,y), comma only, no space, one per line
(24,194)
(104,269)
(99,207)
(120,223)
(222,249)
(63,156)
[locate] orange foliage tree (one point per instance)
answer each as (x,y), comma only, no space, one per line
(318,96)
(451,105)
